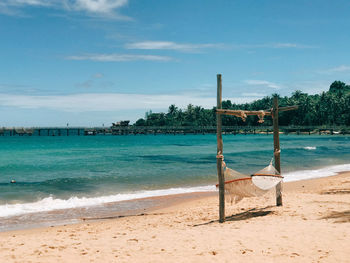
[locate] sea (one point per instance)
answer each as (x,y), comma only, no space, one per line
(64,179)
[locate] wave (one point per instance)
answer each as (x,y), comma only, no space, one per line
(309,148)
(317,173)
(50,203)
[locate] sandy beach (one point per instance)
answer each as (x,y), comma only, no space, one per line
(312,226)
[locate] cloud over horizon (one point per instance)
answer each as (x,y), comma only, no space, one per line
(264,83)
(88,102)
(338,69)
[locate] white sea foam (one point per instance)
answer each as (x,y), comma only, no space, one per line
(309,148)
(317,173)
(49,203)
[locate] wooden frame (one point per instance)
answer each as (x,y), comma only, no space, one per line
(242,114)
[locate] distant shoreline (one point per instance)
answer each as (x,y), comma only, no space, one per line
(172,130)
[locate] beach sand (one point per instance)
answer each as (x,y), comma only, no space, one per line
(312,226)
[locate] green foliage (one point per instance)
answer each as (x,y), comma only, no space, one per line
(327,108)
(339,87)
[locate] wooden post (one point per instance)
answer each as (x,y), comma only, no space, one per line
(220,152)
(276,144)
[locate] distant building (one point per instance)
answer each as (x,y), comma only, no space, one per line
(120,123)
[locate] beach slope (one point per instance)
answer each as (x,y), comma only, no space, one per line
(312,226)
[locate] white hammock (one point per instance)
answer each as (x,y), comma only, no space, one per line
(238,185)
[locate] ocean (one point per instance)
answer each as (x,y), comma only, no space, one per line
(88,172)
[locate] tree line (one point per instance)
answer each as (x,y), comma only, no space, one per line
(328,108)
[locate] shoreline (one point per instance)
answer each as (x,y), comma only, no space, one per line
(144,205)
(111,210)
(86,201)
(118,209)
(312,225)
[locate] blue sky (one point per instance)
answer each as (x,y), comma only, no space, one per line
(94,62)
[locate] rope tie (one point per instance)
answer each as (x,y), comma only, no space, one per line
(261,116)
(243,115)
(221,156)
(277,152)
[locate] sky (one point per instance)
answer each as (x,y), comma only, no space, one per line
(94,62)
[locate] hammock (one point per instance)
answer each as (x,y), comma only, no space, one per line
(238,185)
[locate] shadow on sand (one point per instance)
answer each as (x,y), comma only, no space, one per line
(251,213)
(341,217)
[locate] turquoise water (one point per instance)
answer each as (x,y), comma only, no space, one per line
(81,170)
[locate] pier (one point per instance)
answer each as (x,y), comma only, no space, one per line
(146,130)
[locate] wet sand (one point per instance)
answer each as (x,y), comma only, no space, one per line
(93,213)
(312,226)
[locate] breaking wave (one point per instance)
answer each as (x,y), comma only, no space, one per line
(50,203)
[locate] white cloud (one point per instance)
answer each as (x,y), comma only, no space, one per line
(107,8)
(168,45)
(289,45)
(339,69)
(29,2)
(98,75)
(98,6)
(89,102)
(119,57)
(264,83)
(253,94)
(189,47)
(312,86)
(13,7)
(273,46)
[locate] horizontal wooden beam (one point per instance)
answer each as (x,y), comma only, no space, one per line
(242,112)
(295,107)
(247,112)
